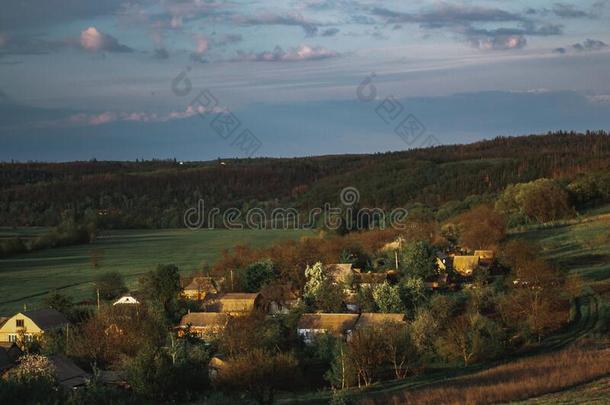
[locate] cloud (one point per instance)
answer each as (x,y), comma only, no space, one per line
(330,32)
(444,14)
(500,42)
(590,45)
(301,53)
(202,44)
(290,19)
(95,41)
(560,50)
(569,11)
(108,117)
(227,39)
(161,53)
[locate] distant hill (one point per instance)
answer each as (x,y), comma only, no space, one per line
(154,194)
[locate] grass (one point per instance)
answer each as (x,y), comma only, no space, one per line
(27,278)
(597,392)
(581,248)
(521,379)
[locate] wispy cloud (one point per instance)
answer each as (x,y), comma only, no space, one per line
(300,53)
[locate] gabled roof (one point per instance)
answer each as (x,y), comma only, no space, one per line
(201,283)
(230,302)
(203,319)
(47,318)
(485,254)
(339,271)
(336,324)
(373,319)
(371,278)
(68,374)
(126,300)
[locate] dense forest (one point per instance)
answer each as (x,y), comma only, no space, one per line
(155,194)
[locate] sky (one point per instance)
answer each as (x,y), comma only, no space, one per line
(202,79)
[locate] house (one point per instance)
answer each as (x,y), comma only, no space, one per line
(232,303)
(217,363)
(465,265)
(31,325)
(199,287)
(206,325)
(485,256)
(279,299)
(443,262)
(68,374)
(338,325)
(126,300)
(370,279)
(374,320)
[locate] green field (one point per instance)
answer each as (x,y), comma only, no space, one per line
(26,279)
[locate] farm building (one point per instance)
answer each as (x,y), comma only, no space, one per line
(30,325)
(370,279)
(338,325)
(68,374)
(485,256)
(199,287)
(206,325)
(232,303)
(465,265)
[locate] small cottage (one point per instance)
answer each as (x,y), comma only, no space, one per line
(338,325)
(126,300)
(199,287)
(232,303)
(206,325)
(30,325)
(465,265)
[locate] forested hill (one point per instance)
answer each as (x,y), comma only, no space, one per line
(156,193)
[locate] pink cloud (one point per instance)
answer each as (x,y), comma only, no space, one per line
(94,41)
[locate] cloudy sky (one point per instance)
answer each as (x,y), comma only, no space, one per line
(200,79)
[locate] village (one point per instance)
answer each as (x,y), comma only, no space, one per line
(213,309)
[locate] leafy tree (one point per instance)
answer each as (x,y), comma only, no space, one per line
(32,381)
(110,285)
(258,274)
(418,259)
(365,350)
(320,291)
(162,286)
(399,347)
(59,302)
(258,373)
(412,293)
(481,228)
(387,298)
(471,338)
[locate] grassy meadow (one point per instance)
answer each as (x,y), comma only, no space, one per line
(26,279)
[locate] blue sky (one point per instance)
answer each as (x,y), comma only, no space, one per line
(84,78)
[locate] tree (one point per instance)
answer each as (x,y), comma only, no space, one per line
(481,228)
(258,274)
(32,381)
(162,285)
(418,259)
(541,200)
(400,350)
(320,291)
(365,350)
(110,285)
(59,302)
(412,293)
(259,373)
(387,298)
(472,337)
